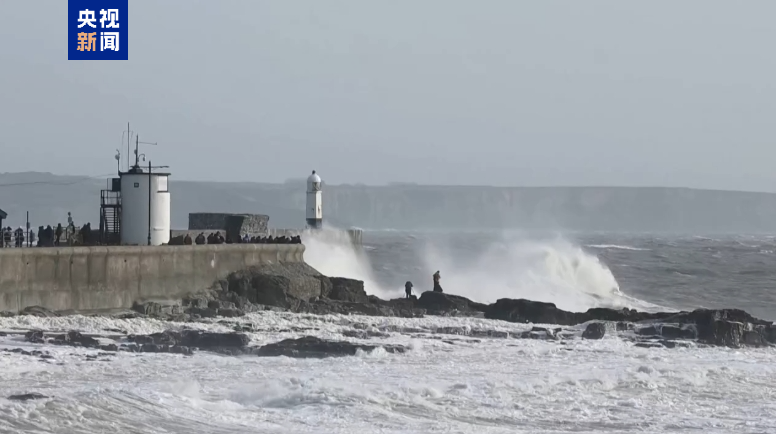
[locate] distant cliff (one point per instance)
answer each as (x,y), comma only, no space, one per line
(404,206)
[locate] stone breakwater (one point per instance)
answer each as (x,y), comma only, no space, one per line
(298,288)
(104,278)
(197,283)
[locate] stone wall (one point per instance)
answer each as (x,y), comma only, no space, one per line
(234,225)
(115,277)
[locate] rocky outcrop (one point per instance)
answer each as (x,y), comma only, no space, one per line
(440,303)
(312,347)
(170,341)
(594,330)
(27,396)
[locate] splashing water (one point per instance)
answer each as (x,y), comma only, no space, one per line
(330,252)
(553,271)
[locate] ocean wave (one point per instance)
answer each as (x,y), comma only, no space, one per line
(615,247)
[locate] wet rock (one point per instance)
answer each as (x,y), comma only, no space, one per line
(436,303)
(34,336)
(675,332)
(652,330)
(172,349)
(27,396)
(7,314)
(155,309)
(364,334)
(344,289)
(38,311)
(648,345)
(753,338)
(202,312)
(209,341)
(527,311)
(594,330)
(76,339)
(230,313)
(494,334)
(722,333)
(313,347)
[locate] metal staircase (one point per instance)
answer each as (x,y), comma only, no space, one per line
(110,217)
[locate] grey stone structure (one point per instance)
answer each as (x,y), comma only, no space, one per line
(233,225)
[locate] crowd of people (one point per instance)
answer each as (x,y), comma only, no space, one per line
(217,238)
(48,236)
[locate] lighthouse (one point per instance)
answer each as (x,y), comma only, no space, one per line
(314,202)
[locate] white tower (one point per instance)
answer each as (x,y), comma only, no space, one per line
(314,202)
(145,207)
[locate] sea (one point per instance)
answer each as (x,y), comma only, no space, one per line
(453,378)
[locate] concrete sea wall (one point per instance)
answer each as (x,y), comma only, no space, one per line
(115,277)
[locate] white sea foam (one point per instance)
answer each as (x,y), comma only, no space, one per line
(483,385)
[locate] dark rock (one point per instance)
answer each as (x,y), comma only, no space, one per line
(652,330)
(210,341)
(230,313)
(27,397)
(674,332)
(312,347)
(648,345)
(154,309)
(200,302)
(347,290)
(594,330)
(722,333)
(364,334)
(34,336)
(203,312)
(76,339)
(38,311)
(274,285)
(527,311)
(436,303)
(753,338)
(7,314)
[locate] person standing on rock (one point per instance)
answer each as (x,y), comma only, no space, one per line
(408,289)
(437,287)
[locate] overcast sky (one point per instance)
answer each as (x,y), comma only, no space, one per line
(668,93)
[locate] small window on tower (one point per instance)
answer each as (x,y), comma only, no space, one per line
(317,186)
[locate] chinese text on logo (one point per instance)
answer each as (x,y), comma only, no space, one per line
(93,38)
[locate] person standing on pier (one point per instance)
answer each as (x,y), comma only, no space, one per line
(58,234)
(18,236)
(437,287)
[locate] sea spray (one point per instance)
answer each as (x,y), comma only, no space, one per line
(550,270)
(334,256)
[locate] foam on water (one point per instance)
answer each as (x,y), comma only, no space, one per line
(465,385)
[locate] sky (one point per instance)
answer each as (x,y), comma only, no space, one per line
(502,92)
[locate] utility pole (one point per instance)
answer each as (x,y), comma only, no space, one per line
(149,202)
(128,132)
